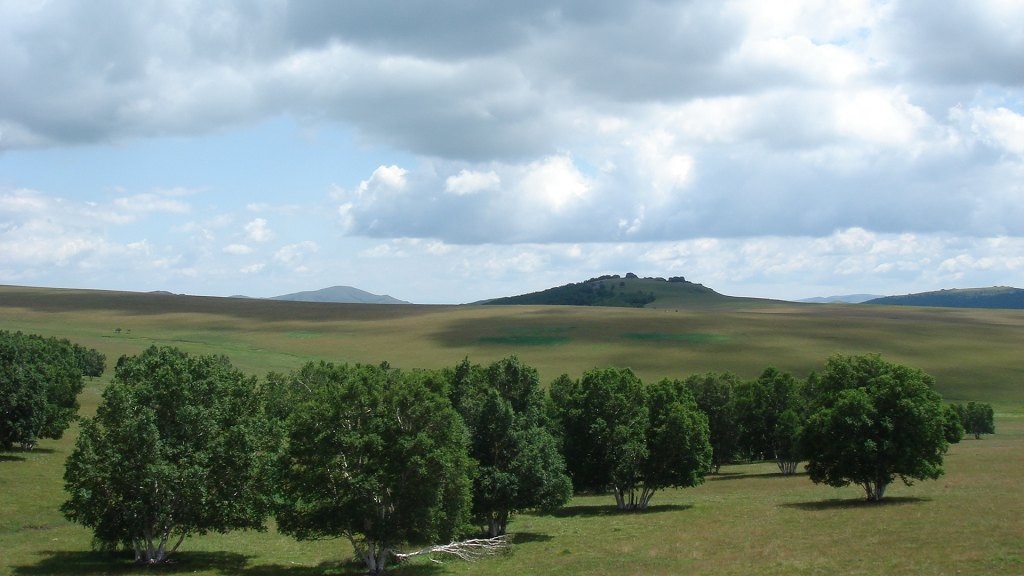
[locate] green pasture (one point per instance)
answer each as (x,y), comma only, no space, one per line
(746,520)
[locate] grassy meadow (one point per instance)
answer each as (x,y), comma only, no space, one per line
(748,519)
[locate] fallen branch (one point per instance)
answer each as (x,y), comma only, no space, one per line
(468,550)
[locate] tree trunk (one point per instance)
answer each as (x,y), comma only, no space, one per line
(875,490)
(620,501)
(787,467)
(497,524)
(374,556)
(645,497)
(151,546)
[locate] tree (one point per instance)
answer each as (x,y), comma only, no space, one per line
(519,466)
(618,434)
(714,395)
(978,419)
(603,418)
(40,380)
(952,415)
(770,412)
(371,454)
(874,421)
(678,442)
(179,446)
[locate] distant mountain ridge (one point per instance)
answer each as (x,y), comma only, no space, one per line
(842,299)
(994,297)
(340,295)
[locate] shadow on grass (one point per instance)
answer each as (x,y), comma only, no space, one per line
(837,504)
(59,562)
(527,537)
(742,476)
(611,510)
(18,455)
(91,563)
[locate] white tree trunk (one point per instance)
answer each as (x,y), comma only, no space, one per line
(151,546)
(787,467)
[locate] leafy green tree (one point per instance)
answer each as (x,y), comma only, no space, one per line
(874,421)
(678,443)
(978,419)
(179,446)
(786,440)
(371,454)
(618,434)
(519,466)
(714,395)
(952,415)
(769,412)
(40,380)
(603,418)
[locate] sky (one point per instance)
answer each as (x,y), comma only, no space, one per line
(449,151)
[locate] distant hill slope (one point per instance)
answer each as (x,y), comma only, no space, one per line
(340,295)
(627,291)
(843,299)
(994,297)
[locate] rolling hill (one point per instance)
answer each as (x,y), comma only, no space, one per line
(994,297)
(841,299)
(340,295)
(629,291)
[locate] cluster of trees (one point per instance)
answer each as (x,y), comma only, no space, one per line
(388,458)
(184,445)
(635,439)
(594,292)
(975,418)
(40,379)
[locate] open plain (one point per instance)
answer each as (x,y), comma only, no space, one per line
(748,519)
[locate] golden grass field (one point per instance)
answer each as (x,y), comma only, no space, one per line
(747,520)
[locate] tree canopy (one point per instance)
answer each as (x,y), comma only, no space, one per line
(871,422)
(976,418)
(616,435)
(372,454)
(40,380)
(518,466)
(770,412)
(178,447)
(714,393)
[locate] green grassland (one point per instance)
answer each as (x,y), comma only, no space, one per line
(747,520)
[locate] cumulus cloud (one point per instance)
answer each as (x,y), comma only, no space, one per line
(694,125)
(470,182)
(293,253)
(238,249)
(257,230)
(150,202)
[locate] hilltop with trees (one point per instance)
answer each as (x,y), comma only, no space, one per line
(629,291)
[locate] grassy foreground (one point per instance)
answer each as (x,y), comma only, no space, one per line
(746,520)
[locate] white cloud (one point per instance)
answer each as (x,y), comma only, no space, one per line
(384,179)
(293,253)
(258,231)
(1000,127)
(554,183)
(469,182)
(238,249)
